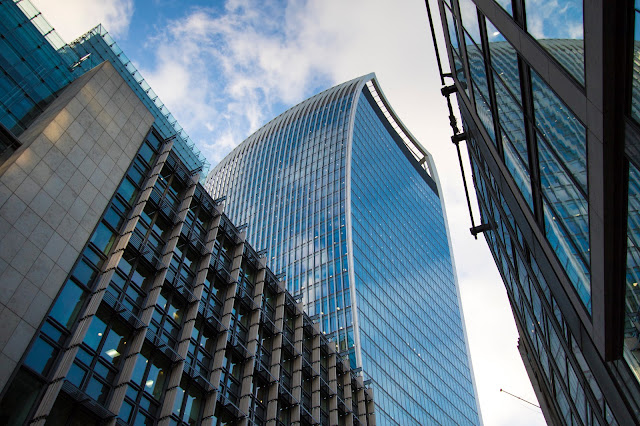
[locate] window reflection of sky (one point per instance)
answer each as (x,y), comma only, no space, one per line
(554,19)
(557,20)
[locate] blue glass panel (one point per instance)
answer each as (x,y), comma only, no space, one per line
(562,130)
(406,295)
(559,23)
(41,356)
(68,304)
(632,299)
(635,58)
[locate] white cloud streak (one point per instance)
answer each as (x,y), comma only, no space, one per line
(80,16)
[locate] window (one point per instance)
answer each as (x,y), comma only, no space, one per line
(188,404)
(146,388)
(202,347)
(558,27)
(231,377)
(131,282)
(167,317)
(101,353)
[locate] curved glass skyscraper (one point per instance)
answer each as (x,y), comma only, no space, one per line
(347,204)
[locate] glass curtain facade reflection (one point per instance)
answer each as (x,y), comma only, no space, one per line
(335,190)
(549,107)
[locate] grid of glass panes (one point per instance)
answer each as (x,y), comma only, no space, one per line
(566,372)
(632,298)
(288,182)
(32,71)
(413,344)
(631,348)
(560,141)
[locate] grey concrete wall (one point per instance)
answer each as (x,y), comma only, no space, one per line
(53,191)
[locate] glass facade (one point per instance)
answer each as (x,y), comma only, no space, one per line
(558,21)
(34,70)
(357,226)
(563,366)
(542,165)
(632,293)
(37,64)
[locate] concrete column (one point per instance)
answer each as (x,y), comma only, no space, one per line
(296,388)
(370,418)
(190,319)
(315,385)
(348,400)
(228,304)
(246,394)
(333,385)
(276,359)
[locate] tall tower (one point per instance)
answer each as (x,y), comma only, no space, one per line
(549,101)
(348,205)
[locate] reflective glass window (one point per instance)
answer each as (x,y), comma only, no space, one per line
(635,77)
(632,298)
(562,130)
(558,27)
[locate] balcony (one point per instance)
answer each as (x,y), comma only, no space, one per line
(221,267)
(150,253)
(245,295)
(198,378)
(263,370)
(168,209)
(181,285)
(110,300)
(162,346)
(86,401)
(267,323)
(235,342)
(212,314)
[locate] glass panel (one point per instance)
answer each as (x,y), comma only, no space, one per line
(504,60)
(68,305)
(572,262)
(103,238)
(635,81)
(41,356)
(469,16)
(506,5)
(19,398)
(632,299)
(518,169)
(558,28)
(561,128)
(115,344)
(95,333)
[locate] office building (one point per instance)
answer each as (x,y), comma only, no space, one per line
(126,294)
(548,95)
(348,206)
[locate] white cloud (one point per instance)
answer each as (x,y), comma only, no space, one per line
(81,15)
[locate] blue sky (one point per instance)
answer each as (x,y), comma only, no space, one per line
(224,68)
